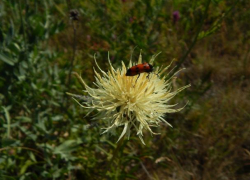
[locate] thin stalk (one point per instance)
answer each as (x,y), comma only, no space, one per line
(68,5)
(195,38)
(74,24)
(22,23)
(115,153)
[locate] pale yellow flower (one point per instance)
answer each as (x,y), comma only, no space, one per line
(136,105)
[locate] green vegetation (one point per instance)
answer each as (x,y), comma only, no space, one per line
(46,135)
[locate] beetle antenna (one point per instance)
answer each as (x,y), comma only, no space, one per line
(157,75)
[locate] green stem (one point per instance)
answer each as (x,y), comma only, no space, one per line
(195,38)
(115,154)
(74,25)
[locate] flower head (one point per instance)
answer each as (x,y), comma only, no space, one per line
(176,16)
(74,15)
(132,103)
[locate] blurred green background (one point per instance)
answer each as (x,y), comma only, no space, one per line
(45,134)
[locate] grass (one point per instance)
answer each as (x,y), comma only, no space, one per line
(46,135)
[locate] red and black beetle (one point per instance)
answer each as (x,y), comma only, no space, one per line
(140,68)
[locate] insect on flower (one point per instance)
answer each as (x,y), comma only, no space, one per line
(124,107)
(140,68)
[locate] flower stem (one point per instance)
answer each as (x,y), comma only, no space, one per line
(115,153)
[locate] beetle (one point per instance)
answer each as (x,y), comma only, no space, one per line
(140,68)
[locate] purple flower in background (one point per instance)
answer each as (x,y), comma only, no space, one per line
(176,16)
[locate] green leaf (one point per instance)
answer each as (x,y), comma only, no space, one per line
(66,148)
(27,164)
(23,119)
(11,32)
(7,117)
(7,142)
(6,59)
(5,177)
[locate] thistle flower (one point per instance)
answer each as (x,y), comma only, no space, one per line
(176,16)
(135,105)
(74,15)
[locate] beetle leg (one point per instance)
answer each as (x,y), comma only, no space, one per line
(137,78)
